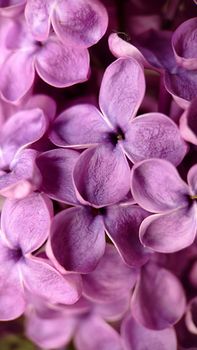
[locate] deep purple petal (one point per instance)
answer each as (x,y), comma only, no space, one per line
(22,129)
(79,126)
(122,223)
(137,337)
(158,301)
(77,239)
(102,174)
(60,65)
(17,75)
(81,23)
(105,337)
(26,222)
(56,167)
(44,280)
(184,44)
(122,91)
(157,186)
(154,135)
(106,283)
(170,232)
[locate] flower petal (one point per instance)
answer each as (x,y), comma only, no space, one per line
(81,23)
(106,284)
(26,222)
(122,91)
(184,44)
(154,135)
(165,295)
(192,179)
(156,186)
(17,75)
(77,239)
(188,123)
(20,130)
(62,66)
(79,126)
(122,223)
(101,175)
(138,337)
(56,167)
(170,232)
(105,337)
(44,280)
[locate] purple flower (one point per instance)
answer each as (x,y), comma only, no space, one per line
(80,23)
(137,337)
(188,123)
(157,187)
(102,173)
(77,236)
(191,315)
(24,228)
(11,8)
(58,64)
(172,54)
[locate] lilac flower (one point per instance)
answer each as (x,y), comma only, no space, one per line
(157,187)
(102,172)
(80,23)
(188,123)
(11,8)
(78,234)
(190,318)
(25,226)
(172,54)
(58,64)
(137,337)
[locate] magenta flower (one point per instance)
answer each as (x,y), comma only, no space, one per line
(172,54)
(58,64)
(79,23)
(102,173)
(157,187)
(25,227)
(77,240)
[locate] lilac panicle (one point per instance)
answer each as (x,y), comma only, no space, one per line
(157,187)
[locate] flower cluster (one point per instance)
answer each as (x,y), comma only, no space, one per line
(98,181)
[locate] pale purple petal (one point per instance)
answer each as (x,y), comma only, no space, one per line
(122,91)
(26,222)
(137,337)
(158,301)
(192,179)
(79,126)
(49,332)
(185,45)
(37,14)
(62,66)
(154,135)
(122,223)
(102,174)
(17,75)
(157,186)
(56,167)
(170,232)
(23,178)
(20,130)
(105,337)
(11,8)
(44,102)
(44,280)
(81,23)
(188,123)
(113,311)
(77,239)
(191,316)
(106,283)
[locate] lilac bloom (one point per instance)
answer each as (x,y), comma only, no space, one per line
(18,173)
(137,337)
(79,23)
(172,54)
(58,64)
(158,301)
(102,172)
(24,228)
(188,123)
(11,8)
(191,316)
(77,240)
(157,187)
